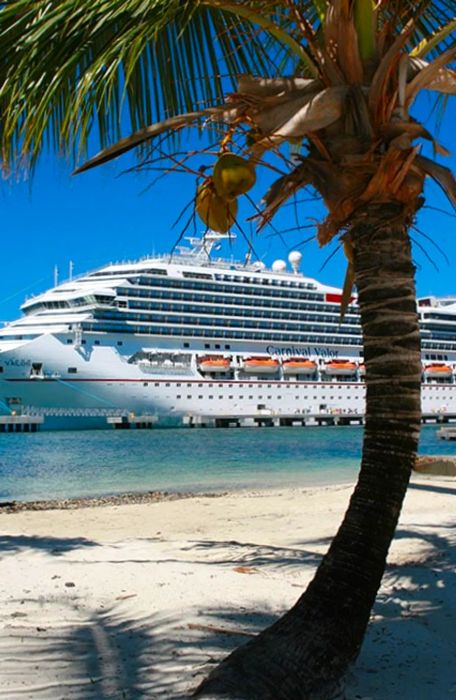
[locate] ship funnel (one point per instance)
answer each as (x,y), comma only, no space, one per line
(294,259)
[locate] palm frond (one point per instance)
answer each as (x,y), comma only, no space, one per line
(431,42)
(365,24)
(270,27)
(71,67)
(170,125)
(433,76)
(441,175)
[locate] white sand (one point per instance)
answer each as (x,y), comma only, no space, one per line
(127,601)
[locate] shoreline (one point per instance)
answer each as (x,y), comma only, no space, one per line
(127,498)
(428,467)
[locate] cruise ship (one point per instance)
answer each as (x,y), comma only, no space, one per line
(191,336)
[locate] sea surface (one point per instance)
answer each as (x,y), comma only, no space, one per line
(68,464)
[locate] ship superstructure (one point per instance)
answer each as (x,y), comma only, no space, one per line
(192,335)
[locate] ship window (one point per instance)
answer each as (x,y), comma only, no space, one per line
(69,341)
(241,396)
(230,397)
(186,345)
(1,369)
(207,345)
(217,346)
(83,342)
(178,396)
(227,347)
(200,396)
(210,396)
(156,384)
(145,384)
(120,342)
(96,342)
(189,396)
(72,370)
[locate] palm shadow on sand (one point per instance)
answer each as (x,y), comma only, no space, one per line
(107,654)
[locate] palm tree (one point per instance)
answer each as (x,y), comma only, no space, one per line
(355,69)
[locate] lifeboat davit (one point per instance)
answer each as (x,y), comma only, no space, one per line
(362,369)
(260,365)
(437,370)
(214,363)
(341,368)
(298,365)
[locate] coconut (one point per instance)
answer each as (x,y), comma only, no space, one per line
(233,176)
(217,213)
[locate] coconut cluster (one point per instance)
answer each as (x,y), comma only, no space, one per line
(216,198)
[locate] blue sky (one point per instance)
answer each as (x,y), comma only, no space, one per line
(104,216)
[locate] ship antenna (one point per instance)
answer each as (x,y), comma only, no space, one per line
(56,275)
(70,270)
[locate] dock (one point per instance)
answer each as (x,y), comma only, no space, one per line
(259,420)
(20,423)
(273,420)
(23,423)
(131,421)
(447,433)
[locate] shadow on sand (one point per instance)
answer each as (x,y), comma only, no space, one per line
(52,545)
(106,654)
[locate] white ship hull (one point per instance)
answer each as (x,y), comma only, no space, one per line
(107,385)
(131,339)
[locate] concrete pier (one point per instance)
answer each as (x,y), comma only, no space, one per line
(131,421)
(447,433)
(20,424)
(270,420)
(302,420)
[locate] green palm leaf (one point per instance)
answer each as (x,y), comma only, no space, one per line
(73,68)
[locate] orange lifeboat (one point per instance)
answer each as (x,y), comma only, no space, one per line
(437,370)
(341,368)
(214,363)
(298,365)
(257,364)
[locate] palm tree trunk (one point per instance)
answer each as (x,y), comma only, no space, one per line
(306,653)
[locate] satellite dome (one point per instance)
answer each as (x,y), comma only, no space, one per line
(260,266)
(294,259)
(279,266)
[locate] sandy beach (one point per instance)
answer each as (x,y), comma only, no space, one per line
(140,600)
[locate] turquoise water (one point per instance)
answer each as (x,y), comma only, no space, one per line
(94,463)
